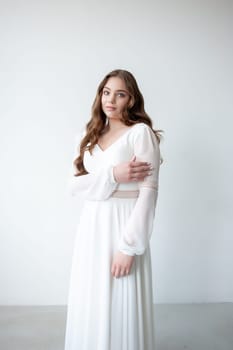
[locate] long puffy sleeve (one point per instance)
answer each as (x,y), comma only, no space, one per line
(98,185)
(137,232)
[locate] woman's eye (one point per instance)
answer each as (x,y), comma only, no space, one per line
(105,92)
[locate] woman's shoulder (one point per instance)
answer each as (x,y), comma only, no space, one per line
(141,125)
(143,134)
(141,129)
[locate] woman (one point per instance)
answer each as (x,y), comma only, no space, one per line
(116,171)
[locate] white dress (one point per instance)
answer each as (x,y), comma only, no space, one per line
(104,312)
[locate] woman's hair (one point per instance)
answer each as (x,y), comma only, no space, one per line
(134,113)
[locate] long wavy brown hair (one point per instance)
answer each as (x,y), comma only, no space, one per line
(134,113)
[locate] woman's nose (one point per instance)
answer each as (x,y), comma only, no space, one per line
(111,98)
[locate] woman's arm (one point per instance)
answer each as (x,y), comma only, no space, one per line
(101,184)
(95,186)
(137,233)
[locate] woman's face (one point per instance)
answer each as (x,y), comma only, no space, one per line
(115,97)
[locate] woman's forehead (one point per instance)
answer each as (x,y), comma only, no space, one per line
(115,83)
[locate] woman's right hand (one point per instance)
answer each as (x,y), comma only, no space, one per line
(131,171)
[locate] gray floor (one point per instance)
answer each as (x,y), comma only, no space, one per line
(178,326)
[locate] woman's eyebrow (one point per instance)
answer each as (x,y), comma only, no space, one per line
(105,87)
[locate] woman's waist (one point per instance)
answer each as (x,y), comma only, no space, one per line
(125,193)
(126,190)
(129,186)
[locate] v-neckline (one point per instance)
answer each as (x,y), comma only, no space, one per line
(114,142)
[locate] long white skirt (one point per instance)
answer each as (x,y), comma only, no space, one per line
(104,312)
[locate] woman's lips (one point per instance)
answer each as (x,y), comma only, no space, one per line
(110,108)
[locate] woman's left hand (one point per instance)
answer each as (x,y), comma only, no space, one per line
(121,264)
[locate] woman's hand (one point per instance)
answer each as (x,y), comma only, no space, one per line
(121,264)
(131,171)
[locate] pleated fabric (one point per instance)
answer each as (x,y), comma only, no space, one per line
(104,312)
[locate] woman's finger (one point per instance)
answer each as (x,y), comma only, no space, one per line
(138,164)
(117,272)
(122,272)
(141,169)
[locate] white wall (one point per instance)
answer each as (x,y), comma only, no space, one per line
(53,56)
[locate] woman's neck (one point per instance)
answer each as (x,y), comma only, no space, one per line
(115,124)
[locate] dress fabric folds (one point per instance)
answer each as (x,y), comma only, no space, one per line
(104,312)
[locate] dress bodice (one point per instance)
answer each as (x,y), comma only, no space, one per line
(121,150)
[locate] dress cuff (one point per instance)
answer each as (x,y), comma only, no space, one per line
(127,252)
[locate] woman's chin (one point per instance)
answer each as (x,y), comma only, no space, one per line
(112,114)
